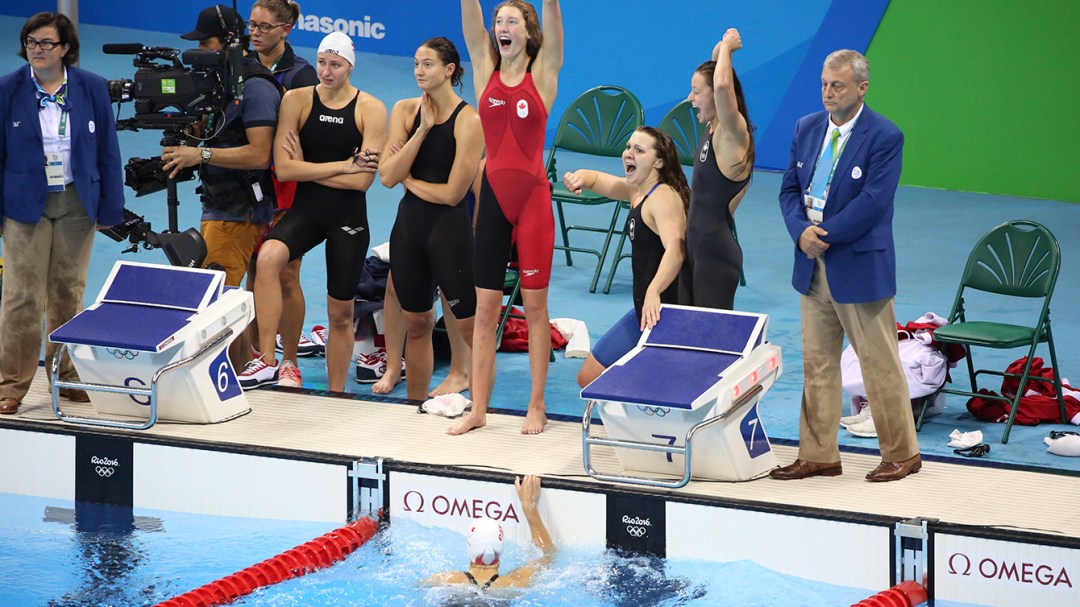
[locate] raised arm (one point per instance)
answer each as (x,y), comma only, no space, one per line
(470,146)
(604,184)
(551,53)
(668,218)
(731,137)
(478,41)
(529,493)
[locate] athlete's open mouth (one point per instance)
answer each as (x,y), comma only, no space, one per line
(504,41)
(630,169)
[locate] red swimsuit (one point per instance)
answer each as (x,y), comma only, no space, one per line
(514,120)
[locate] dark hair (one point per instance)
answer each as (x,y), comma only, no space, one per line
(287,12)
(448,54)
(671,173)
(706,70)
(64,28)
(532,26)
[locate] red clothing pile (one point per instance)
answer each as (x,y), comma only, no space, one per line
(515,336)
(1038,403)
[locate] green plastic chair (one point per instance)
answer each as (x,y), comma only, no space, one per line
(1017,259)
(598,123)
(681,124)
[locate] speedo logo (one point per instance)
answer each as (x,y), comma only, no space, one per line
(453,302)
(495,102)
(530,272)
(333,119)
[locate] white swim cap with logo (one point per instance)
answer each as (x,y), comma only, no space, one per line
(484,541)
(338,43)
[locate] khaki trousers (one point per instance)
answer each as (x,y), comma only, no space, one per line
(871,328)
(45,266)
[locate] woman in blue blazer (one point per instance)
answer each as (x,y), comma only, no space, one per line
(61,179)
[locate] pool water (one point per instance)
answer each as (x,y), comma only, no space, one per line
(58,553)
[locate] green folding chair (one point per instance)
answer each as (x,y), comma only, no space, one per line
(598,123)
(1017,259)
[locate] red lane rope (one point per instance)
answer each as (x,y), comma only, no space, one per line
(320,552)
(904,594)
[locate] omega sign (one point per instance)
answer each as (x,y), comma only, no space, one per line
(414,501)
(104,466)
(1009,571)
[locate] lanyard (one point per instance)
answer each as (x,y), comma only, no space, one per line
(63,124)
(836,159)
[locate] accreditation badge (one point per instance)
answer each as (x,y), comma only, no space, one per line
(54,170)
(815,209)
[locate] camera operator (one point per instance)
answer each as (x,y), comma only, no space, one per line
(50,204)
(236,191)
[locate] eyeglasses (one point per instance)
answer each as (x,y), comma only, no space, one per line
(46,45)
(263,27)
(974,451)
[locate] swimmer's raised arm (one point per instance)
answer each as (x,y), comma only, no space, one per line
(529,493)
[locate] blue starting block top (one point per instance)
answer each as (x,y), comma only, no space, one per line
(141,306)
(680,358)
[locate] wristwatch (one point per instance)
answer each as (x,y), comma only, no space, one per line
(206,154)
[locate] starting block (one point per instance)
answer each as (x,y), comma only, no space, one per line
(684,401)
(154,344)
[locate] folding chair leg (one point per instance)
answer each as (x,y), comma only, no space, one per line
(618,257)
(1019,393)
(1057,373)
(604,249)
(565,233)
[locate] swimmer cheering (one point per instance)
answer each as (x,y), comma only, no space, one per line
(515,73)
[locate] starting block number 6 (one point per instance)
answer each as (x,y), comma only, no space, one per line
(223,377)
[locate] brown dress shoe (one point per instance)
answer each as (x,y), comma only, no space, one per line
(894,471)
(800,469)
(75,395)
(9,406)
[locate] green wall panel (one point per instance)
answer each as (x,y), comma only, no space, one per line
(986,92)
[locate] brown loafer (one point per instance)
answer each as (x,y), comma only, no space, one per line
(75,395)
(801,468)
(894,471)
(9,406)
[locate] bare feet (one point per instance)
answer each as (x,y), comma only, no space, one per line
(535,420)
(472,421)
(386,383)
(454,383)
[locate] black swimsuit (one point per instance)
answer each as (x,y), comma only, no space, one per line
(647,249)
(710,273)
(432,243)
(323,213)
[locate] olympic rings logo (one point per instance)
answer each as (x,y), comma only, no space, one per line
(122,354)
(657,411)
(104,471)
(636,530)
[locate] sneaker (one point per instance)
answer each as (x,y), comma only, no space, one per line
(289,375)
(257,373)
(318,337)
(371,367)
(305,347)
(865,429)
(859,418)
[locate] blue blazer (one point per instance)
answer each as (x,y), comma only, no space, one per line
(95,152)
(861,259)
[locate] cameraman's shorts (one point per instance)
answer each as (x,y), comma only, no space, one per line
(230,245)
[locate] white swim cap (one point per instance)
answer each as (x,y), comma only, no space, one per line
(484,541)
(339,44)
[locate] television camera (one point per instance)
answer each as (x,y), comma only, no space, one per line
(172,91)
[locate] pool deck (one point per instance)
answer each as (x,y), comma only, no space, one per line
(993,498)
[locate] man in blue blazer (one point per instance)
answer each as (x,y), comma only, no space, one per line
(837,201)
(60,178)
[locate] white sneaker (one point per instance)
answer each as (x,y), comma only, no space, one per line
(865,429)
(371,367)
(318,337)
(858,418)
(289,375)
(305,347)
(257,373)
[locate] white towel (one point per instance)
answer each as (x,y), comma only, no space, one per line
(447,405)
(575,332)
(382,252)
(963,440)
(1068,445)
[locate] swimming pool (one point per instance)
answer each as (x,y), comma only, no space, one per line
(58,552)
